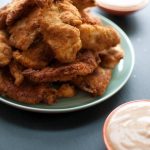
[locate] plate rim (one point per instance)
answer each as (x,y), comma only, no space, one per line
(84,106)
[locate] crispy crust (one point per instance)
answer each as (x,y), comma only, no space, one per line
(95,83)
(36,57)
(17,9)
(64,41)
(25,31)
(5,50)
(57,27)
(110,58)
(27,92)
(97,37)
(85,64)
(88,18)
(69,14)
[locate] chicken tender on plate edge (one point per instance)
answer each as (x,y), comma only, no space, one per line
(95,83)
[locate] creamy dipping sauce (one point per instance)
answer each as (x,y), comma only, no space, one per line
(129,127)
(122,3)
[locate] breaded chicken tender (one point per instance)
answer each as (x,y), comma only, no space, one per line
(36,57)
(83,6)
(69,14)
(18,8)
(27,92)
(5,50)
(95,83)
(110,58)
(89,18)
(97,37)
(25,31)
(84,65)
(63,38)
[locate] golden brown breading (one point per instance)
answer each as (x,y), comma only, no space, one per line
(110,58)
(36,57)
(66,91)
(97,37)
(82,4)
(88,18)
(69,14)
(95,83)
(85,64)
(5,50)
(16,71)
(25,31)
(18,8)
(27,92)
(64,41)
(63,38)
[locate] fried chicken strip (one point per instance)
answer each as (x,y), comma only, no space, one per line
(110,58)
(89,18)
(95,83)
(85,64)
(16,71)
(25,31)
(63,38)
(18,8)
(27,92)
(83,6)
(97,37)
(64,41)
(69,14)
(33,94)
(36,57)
(5,50)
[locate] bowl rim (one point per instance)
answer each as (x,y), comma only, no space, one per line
(104,131)
(121,8)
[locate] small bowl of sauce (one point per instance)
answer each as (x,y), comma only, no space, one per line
(121,7)
(128,127)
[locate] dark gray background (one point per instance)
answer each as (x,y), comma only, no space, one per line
(20,130)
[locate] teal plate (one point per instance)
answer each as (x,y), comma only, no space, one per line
(121,75)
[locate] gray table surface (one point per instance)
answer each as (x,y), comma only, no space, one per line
(20,130)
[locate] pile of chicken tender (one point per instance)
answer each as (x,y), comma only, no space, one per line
(51,49)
